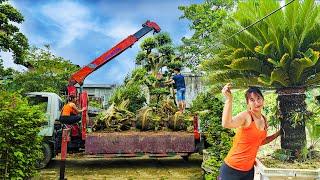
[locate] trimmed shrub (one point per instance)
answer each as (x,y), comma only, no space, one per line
(20,145)
(219,139)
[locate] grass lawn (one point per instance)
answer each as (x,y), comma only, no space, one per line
(126,168)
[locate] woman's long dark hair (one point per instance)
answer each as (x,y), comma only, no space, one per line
(71,98)
(254,90)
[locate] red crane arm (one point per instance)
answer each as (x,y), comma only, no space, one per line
(79,76)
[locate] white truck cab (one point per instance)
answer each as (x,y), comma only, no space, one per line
(52,105)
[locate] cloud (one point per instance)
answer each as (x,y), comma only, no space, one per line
(112,73)
(134,14)
(117,30)
(8,61)
(71,18)
(82,30)
(75,21)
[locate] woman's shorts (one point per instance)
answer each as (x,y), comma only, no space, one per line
(228,173)
(69,119)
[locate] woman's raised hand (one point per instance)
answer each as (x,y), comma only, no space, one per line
(226,91)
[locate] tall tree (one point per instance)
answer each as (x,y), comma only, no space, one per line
(206,20)
(11,39)
(49,73)
(281,51)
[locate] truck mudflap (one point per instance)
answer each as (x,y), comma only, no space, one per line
(139,143)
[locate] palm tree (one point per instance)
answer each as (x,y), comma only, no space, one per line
(281,52)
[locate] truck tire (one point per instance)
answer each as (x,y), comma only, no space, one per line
(47,155)
(186,157)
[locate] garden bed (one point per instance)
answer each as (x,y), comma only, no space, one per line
(286,171)
(312,164)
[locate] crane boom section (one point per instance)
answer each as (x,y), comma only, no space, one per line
(79,76)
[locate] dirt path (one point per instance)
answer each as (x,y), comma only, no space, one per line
(127,168)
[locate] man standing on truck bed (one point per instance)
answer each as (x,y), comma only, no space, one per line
(179,82)
(69,112)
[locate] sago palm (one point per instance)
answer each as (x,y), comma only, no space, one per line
(281,52)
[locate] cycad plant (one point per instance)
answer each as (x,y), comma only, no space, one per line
(281,52)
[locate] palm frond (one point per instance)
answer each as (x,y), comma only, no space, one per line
(215,64)
(281,76)
(229,75)
(315,46)
(298,66)
(308,18)
(285,61)
(242,52)
(313,80)
(250,64)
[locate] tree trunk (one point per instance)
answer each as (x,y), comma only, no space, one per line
(293,136)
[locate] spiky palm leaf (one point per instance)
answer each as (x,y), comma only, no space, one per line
(115,118)
(180,121)
(147,119)
(281,51)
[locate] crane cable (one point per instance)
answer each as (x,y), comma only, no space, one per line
(260,20)
(256,22)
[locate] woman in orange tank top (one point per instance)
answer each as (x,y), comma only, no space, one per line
(250,135)
(69,112)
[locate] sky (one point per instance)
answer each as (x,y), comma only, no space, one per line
(82,30)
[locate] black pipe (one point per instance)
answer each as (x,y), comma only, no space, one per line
(62,169)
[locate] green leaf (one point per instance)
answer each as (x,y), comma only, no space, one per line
(258,49)
(268,48)
(314,79)
(288,46)
(264,80)
(297,67)
(284,61)
(275,63)
(246,63)
(241,52)
(312,56)
(281,76)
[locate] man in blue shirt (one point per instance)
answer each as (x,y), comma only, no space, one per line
(180,85)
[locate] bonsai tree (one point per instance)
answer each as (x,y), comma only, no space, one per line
(157,53)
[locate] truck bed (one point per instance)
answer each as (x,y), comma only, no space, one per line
(132,142)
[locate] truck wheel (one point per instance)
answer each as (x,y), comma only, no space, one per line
(185,158)
(47,154)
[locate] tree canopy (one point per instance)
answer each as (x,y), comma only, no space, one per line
(50,73)
(206,20)
(11,39)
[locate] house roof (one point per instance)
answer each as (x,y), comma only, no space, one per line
(97,86)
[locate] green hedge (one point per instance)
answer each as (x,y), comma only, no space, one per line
(210,110)
(20,145)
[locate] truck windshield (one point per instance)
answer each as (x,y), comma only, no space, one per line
(40,101)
